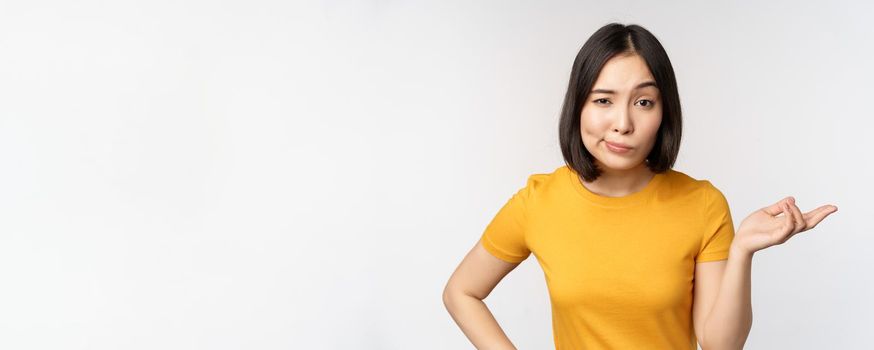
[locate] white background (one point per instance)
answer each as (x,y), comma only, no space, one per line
(275,175)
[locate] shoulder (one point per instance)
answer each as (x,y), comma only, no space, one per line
(712,201)
(541,180)
(682,182)
(539,184)
(692,192)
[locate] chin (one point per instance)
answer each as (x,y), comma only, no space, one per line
(622,164)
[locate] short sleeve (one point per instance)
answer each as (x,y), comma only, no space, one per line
(718,226)
(504,237)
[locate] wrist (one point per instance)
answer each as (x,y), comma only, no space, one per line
(737,250)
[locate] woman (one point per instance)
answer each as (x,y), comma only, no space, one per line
(636,255)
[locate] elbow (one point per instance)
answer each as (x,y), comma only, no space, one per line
(724,345)
(450,295)
(723,341)
(707,347)
(451,300)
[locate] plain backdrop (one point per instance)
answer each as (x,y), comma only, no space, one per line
(307,175)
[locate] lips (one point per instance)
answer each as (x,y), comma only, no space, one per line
(618,145)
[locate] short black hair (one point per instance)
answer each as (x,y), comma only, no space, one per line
(608,41)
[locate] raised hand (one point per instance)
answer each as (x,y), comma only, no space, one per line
(764,228)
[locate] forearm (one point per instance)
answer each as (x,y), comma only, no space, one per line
(477,322)
(728,323)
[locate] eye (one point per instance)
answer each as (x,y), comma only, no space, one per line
(601,99)
(649,103)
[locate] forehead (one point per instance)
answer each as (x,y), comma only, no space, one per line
(623,72)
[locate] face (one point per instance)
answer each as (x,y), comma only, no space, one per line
(624,109)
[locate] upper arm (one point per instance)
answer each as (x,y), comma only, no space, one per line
(478,273)
(502,246)
(708,277)
(718,234)
(504,236)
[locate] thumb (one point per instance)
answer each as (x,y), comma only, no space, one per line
(776,208)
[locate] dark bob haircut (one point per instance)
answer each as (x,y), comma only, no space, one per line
(611,40)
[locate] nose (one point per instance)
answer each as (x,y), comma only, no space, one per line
(622,123)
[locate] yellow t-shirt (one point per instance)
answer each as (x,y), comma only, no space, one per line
(619,270)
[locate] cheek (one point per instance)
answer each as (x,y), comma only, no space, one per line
(652,126)
(591,124)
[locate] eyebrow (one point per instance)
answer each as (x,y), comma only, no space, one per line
(639,86)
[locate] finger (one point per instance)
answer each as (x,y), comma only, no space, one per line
(815,216)
(788,223)
(800,224)
(814,212)
(776,208)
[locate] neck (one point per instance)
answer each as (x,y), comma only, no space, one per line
(619,183)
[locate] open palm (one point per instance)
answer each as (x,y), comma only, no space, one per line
(763,228)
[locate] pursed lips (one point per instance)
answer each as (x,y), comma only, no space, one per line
(618,145)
